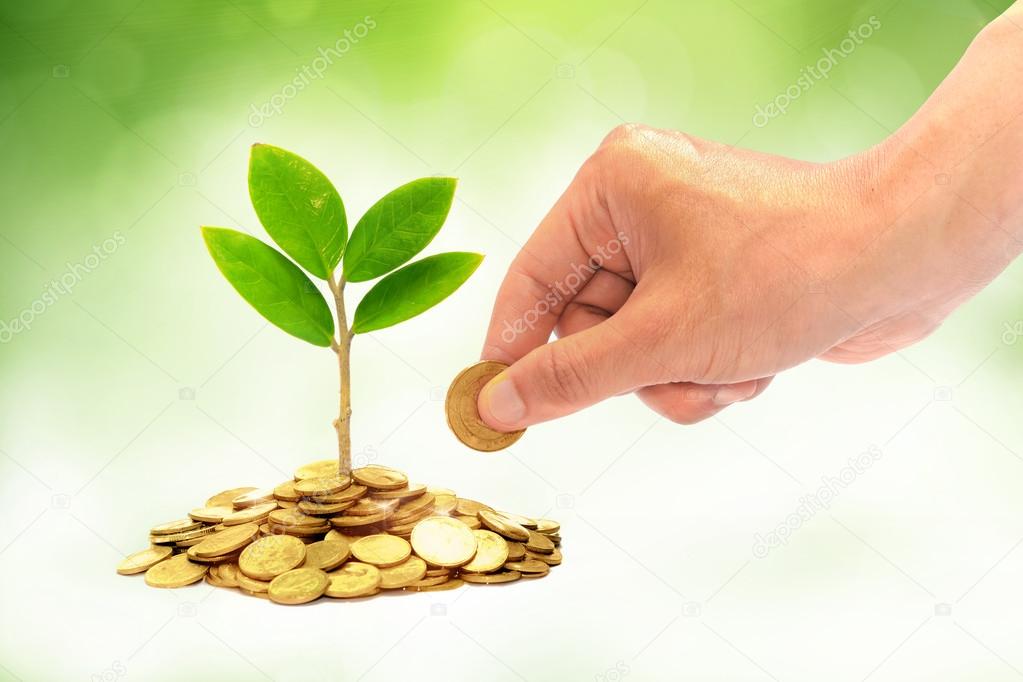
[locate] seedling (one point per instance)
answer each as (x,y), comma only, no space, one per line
(303,213)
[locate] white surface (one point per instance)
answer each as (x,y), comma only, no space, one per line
(659,579)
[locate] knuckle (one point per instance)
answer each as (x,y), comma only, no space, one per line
(564,375)
(625,132)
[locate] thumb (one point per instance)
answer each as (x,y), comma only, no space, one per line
(567,375)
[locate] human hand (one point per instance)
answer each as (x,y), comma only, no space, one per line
(691,272)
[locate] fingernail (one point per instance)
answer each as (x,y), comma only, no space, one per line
(501,401)
(726,395)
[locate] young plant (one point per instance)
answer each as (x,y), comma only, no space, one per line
(304,215)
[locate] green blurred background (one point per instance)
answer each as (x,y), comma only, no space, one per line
(124,125)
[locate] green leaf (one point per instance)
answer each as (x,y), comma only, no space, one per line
(275,286)
(299,208)
(398,227)
(415,288)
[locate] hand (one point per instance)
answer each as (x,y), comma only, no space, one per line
(691,272)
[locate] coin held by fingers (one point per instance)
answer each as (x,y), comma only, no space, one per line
(463,414)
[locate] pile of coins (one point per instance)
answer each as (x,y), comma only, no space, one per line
(324,534)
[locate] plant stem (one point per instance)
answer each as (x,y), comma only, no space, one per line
(343,347)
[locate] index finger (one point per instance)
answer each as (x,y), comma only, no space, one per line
(573,241)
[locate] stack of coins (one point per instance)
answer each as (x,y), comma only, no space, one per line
(324,534)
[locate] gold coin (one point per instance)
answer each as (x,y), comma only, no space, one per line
(499,523)
(491,552)
(352,492)
(178,538)
(407,509)
(357,521)
(409,491)
(225,498)
(405,573)
(491,578)
(330,485)
(285,492)
(428,582)
(380,477)
(547,527)
(247,584)
(470,507)
(552,559)
(252,514)
(444,541)
(226,541)
(354,579)
(411,520)
(334,534)
(227,572)
(440,491)
(381,550)
(538,574)
(300,532)
(143,561)
(434,572)
(215,559)
(524,521)
(527,566)
(516,551)
(271,556)
(367,506)
(471,521)
(320,509)
(177,571)
(463,414)
(539,543)
(402,531)
(214,580)
(293,517)
(451,584)
(298,586)
(326,555)
(211,514)
(444,504)
(173,527)
(318,469)
(253,498)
